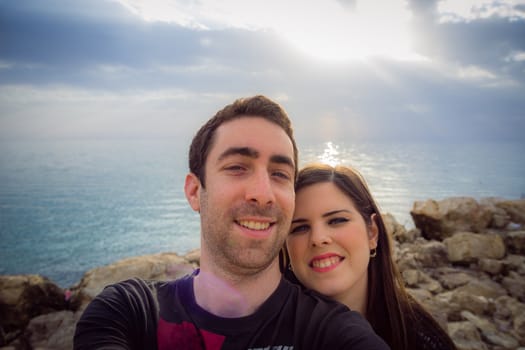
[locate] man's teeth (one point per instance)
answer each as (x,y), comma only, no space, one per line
(255,225)
(326,262)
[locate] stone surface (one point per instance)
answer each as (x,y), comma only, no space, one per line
(165,266)
(515,285)
(472,282)
(515,209)
(468,247)
(23,297)
(515,242)
(52,331)
(466,336)
(490,332)
(439,219)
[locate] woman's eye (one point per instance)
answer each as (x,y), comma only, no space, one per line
(336,221)
(299,229)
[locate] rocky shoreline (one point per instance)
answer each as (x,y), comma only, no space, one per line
(465,261)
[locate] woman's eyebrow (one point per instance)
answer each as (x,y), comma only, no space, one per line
(336,212)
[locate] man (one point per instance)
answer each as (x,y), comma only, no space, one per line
(243,164)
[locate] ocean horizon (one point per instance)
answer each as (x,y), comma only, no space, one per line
(72,205)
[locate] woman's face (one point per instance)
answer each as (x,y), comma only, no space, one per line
(329,244)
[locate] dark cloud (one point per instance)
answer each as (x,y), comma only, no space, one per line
(30,35)
(486,42)
(70,48)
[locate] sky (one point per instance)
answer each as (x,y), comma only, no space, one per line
(345,70)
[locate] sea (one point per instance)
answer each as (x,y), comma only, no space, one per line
(69,206)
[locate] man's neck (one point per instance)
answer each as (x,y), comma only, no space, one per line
(234,297)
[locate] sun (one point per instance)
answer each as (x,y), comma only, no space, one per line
(369,30)
(330,30)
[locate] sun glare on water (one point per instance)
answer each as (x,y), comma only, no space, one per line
(330,154)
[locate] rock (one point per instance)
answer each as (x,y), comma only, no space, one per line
(489,331)
(483,287)
(439,219)
(519,326)
(428,283)
(515,284)
(466,336)
(421,295)
(164,266)
(490,266)
(52,331)
(515,209)
(194,257)
(468,247)
(397,231)
(416,278)
(460,300)
(23,297)
(411,277)
(515,242)
(500,218)
(464,262)
(405,258)
(432,254)
(433,305)
(511,311)
(453,279)
(514,262)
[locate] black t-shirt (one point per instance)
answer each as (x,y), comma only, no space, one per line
(136,314)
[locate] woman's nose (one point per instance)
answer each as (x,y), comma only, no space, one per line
(319,237)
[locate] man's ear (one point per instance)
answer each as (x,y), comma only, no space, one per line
(192,186)
(373,233)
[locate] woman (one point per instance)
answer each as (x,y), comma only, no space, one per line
(338,246)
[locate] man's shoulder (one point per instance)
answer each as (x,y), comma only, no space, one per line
(139,291)
(308,298)
(133,285)
(313,306)
(334,323)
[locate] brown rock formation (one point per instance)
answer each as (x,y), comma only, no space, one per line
(464,261)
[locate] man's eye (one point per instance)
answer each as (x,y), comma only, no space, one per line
(336,221)
(234,168)
(299,229)
(281,174)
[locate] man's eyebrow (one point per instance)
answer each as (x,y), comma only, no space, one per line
(253,153)
(283,160)
(243,151)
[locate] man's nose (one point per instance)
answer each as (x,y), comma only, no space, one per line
(260,189)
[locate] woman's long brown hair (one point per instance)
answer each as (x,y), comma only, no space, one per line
(388,306)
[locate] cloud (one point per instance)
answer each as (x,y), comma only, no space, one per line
(471,10)
(68,112)
(104,69)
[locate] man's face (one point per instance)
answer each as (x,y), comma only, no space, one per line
(248,203)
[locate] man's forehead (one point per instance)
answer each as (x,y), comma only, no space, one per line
(254,133)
